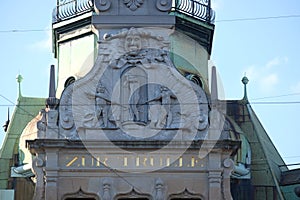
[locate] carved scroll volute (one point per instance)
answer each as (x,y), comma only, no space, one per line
(37,165)
(65,110)
(164,5)
(102,5)
(228,167)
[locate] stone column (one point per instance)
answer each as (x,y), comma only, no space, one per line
(214,176)
(51,174)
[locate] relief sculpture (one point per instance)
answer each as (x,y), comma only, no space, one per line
(139,90)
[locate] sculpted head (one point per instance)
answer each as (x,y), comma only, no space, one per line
(133,41)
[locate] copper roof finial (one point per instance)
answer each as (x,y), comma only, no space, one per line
(19,80)
(245,81)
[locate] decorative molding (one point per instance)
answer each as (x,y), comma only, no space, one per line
(133,194)
(186,194)
(159,189)
(164,5)
(103,5)
(106,186)
(65,109)
(133,4)
(81,194)
(38,170)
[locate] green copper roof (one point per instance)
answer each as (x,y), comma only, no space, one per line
(266,162)
(25,110)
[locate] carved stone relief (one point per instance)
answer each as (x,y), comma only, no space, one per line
(106,190)
(133,4)
(133,194)
(102,5)
(159,190)
(38,170)
(66,120)
(80,194)
(134,87)
(42,124)
(186,194)
(164,5)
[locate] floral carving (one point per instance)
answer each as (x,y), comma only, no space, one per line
(133,4)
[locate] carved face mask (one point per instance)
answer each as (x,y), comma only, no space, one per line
(133,43)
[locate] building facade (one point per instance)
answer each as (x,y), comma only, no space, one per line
(136,114)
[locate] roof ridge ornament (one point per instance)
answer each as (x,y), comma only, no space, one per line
(245,81)
(19,80)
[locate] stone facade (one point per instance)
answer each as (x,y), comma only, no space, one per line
(134,126)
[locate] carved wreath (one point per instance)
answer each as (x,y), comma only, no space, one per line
(133,4)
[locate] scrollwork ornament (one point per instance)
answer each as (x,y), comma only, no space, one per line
(164,5)
(103,5)
(228,163)
(66,117)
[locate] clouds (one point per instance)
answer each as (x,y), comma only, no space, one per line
(265,78)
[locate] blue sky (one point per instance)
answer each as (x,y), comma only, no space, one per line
(266,50)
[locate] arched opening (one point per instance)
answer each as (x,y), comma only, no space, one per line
(79,198)
(191,198)
(196,79)
(80,195)
(184,195)
(69,81)
(133,198)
